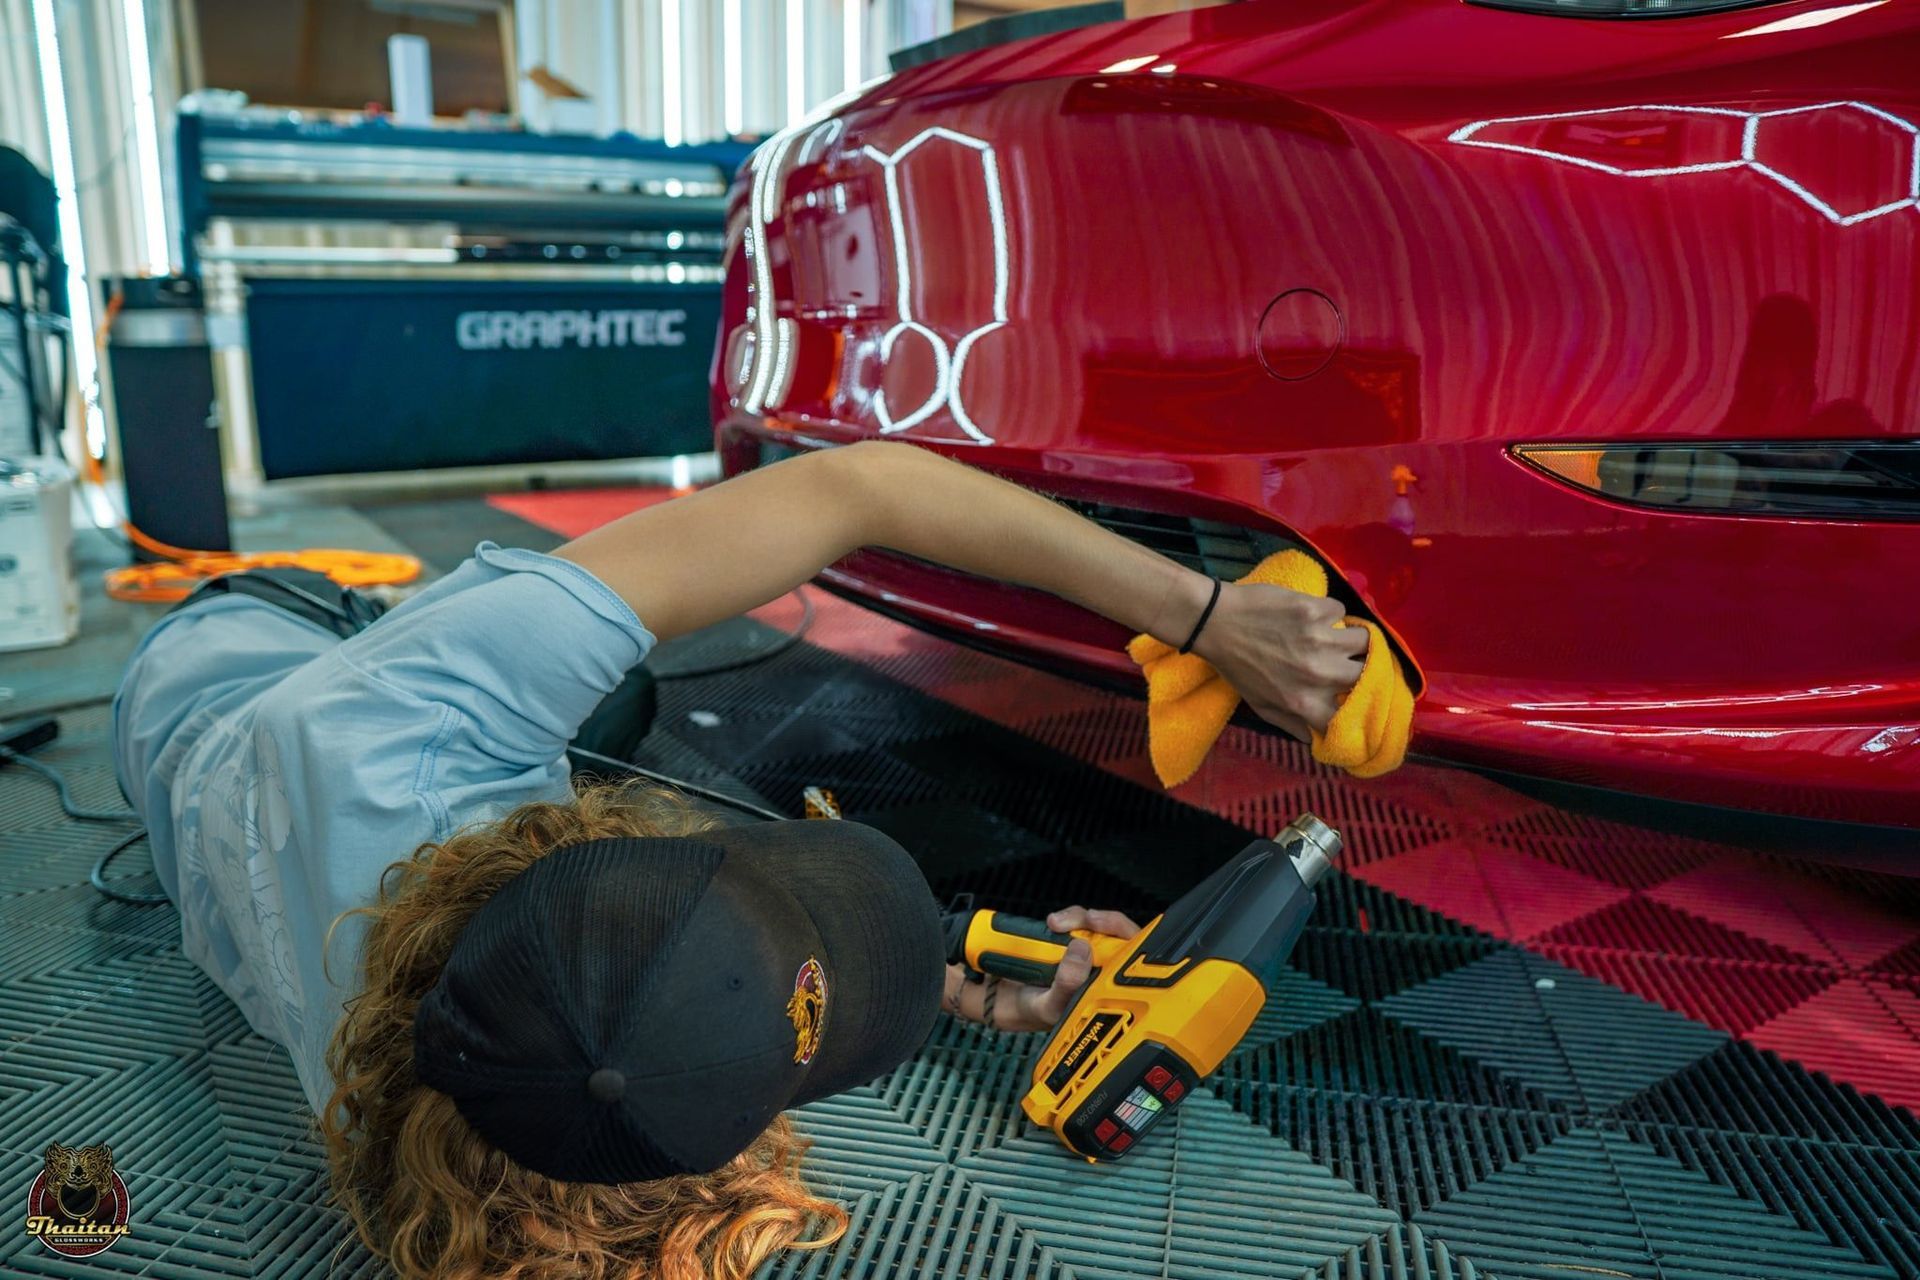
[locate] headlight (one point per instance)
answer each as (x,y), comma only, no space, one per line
(1822,480)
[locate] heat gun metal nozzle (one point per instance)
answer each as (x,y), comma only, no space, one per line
(1312,844)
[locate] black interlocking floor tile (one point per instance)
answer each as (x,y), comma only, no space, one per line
(30,800)
(971,1037)
(1742,1089)
(1373,966)
(1600,1203)
(1044,882)
(660,752)
(862,780)
(53,973)
(856,689)
(1407,1154)
(1572,1037)
(1042,790)
(952,839)
(862,1142)
(1216,1197)
(1295,1003)
(736,715)
(1865,1198)
(281,1239)
(1348,902)
(1735,996)
(781,683)
(935,1223)
(79,906)
(1365,1054)
(963,1100)
(1165,859)
(717,651)
(54,857)
(666,756)
(853,697)
(767,740)
(157,1110)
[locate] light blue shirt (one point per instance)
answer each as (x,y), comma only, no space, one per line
(280,770)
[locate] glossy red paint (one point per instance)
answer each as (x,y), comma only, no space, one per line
(1071,275)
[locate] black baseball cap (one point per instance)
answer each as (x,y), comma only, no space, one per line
(630,1009)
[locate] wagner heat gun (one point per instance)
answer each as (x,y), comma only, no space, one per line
(1162,1009)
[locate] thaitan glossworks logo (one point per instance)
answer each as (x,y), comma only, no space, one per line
(78,1205)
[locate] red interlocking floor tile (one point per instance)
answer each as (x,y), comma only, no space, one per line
(1020,696)
(1610,851)
(1902,966)
(1491,886)
(1734,996)
(1466,802)
(1274,748)
(1374,827)
(1238,769)
(1641,924)
(1137,769)
(1858,1031)
(1112,730)
(925,669)
(785,613)
(1814,917)
(572,512)
(847,628)
(955,665)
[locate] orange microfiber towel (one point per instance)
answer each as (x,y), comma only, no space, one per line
(1189,703)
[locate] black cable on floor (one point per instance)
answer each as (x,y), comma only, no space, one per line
(774,650)
(679,784)
(97,876)
(59,781)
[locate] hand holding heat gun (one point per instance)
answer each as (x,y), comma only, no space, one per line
(1165,1007)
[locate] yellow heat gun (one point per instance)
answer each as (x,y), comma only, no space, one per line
(1163,1009)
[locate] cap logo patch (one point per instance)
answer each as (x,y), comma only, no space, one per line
(807,1009)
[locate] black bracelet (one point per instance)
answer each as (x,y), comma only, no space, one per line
(1205,613)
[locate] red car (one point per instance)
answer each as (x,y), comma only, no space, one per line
(1584,351)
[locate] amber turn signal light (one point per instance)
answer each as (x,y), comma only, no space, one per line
(1831,480)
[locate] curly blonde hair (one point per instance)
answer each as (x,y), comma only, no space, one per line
(435,1199)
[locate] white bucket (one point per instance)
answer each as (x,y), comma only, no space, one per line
(39,603)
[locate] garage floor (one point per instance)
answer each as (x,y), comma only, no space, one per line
(1516,1041)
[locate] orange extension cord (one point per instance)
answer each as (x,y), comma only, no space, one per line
(182,570)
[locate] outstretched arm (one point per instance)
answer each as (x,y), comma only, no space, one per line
(717,553)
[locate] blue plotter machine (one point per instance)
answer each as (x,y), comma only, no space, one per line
(422,298)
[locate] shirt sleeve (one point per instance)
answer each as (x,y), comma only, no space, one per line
(517,646)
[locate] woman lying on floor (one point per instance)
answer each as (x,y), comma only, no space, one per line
(558,1038)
